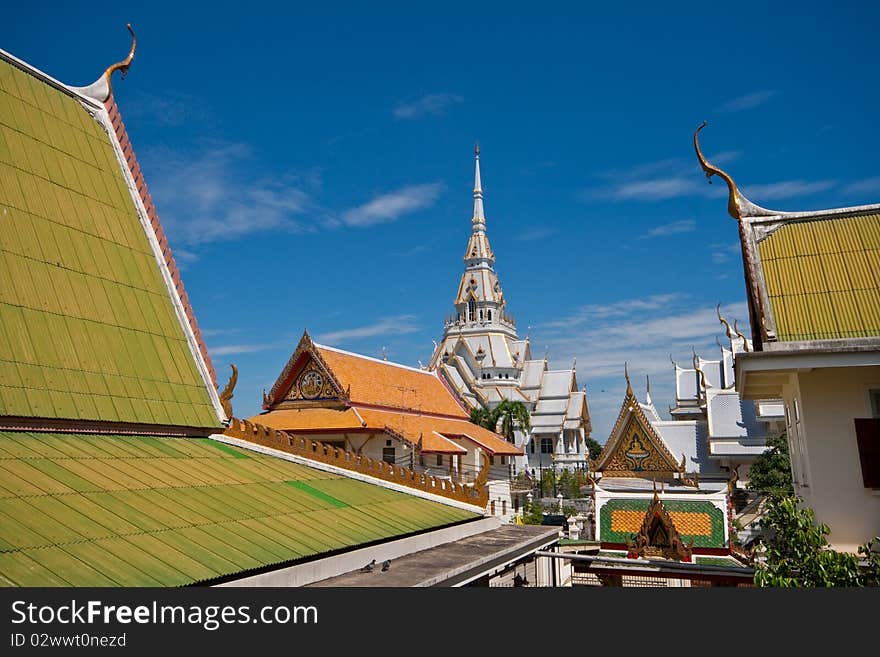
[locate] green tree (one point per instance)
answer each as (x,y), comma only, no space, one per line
(533,513)
(594,448)
(798,553)
(483,417)
(512,415)
(570,483)
(771,471)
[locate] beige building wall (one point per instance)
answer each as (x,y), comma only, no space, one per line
(821,405)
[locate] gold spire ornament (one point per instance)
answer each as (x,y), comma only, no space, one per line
(721,319)
(101,89)
(226,395)
(733,193)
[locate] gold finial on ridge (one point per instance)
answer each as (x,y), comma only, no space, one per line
(101,89)
(697,368)
(629,389)
(711,170)
(730,331)
(125,63)
(745,341)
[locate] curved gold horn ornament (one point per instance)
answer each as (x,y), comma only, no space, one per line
(711,170)
(125,63)
(745,341)
(730,331)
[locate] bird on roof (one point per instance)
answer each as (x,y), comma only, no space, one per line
(369,567)
(386,565)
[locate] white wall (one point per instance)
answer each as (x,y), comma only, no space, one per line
(829,399)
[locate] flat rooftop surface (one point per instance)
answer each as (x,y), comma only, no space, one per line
(451,563)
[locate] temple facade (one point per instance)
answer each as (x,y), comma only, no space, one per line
(484,360)
(721,432)
(388,412)
(813,292)
(658,499)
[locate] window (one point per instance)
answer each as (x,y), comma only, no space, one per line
(388,454)
(489,315)
(388,443)
(532,446)
(472,310)
(546,445)
(868,437)
(439,459)
(875,402)
(491,460)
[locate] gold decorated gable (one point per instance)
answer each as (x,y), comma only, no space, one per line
(311,384)
(639,452)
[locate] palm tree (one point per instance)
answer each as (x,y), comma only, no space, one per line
(483,417)
(513,415)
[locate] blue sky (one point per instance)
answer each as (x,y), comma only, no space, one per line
(313,164)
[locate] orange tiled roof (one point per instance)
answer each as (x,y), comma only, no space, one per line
(379,383)
(309,419)
(433,431)
(412,426)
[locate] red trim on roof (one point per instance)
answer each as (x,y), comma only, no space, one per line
(134,168)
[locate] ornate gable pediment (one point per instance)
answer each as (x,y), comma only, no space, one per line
(305,379)
(635,449)
(658,536)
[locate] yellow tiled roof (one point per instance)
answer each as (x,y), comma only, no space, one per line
(823,277)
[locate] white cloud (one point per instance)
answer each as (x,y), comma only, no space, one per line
(535,233)
(722,253)
(398,325)
(787,189)
(866,186)
(391,206)
(672,228)
(748,101)
(207,196)
(658,181)
(230,349)
(434,104)
(640,331)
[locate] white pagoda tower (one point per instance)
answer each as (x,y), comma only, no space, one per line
(483,359)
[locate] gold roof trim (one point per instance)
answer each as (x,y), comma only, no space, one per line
(730,331)
(738,206)
(101,89)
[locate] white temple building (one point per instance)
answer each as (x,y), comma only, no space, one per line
(484,360)
(722,431)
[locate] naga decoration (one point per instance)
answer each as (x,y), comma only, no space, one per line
(226,395)
(711,170)
(101,88)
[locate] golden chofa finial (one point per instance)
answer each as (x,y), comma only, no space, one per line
(629,390)
(745,342)
(696,363)
(711,170)
(730,331)
(101,88)
(125,63)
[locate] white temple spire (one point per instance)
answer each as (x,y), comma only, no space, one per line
(479,217)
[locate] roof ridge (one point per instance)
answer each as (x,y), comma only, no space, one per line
(32,70)
(376,360)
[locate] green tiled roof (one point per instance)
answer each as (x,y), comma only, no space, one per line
(697,520)
(102,510)
(823,278)
(87,326)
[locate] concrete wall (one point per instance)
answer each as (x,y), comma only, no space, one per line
(824,452)
(321,569)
